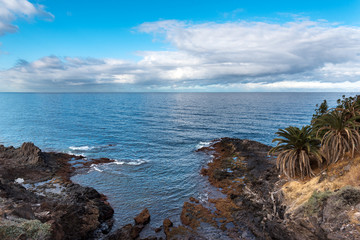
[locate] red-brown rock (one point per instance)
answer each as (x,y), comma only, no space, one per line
(143,218)
(192,199)
(167,223)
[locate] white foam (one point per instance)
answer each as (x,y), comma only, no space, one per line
(203,144)
(132,163)
(19,180)
(81,148)
(77,154)
(204,197)
(93,166)
(137,162)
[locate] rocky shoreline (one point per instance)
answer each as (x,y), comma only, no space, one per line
(39,201)
(242,171)
(260,204)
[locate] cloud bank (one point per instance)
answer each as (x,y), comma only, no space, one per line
(234,56)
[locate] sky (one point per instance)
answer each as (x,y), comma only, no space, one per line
(181,46)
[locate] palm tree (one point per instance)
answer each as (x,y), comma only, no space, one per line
(339,134)
(297,149)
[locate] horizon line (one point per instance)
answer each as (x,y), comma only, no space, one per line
(50,92)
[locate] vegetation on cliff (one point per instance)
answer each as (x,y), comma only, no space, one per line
(297,149)
(332,136)
(324,203)
(320,199)
(24,229)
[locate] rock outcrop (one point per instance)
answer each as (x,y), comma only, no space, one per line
(39,201)
(129,231)
(262,205)
(28,153)
(143,218)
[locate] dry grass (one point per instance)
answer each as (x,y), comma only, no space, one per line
(338,175)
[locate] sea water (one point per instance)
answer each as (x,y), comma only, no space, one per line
(151,136)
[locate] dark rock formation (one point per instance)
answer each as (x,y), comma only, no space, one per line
(28,153)
(143,218)
(70,211)
(248,177)
(82,207)
(124,233)
(167,223)
(129,231)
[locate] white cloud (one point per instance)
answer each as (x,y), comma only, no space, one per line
(347,70)
(278,86)
(303,86)
(10,10)
(257,48)
(244,56)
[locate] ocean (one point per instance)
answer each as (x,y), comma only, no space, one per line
(152,137)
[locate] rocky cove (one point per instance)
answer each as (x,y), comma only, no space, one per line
(38,200)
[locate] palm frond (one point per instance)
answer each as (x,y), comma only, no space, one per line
(296,149)
(339,132)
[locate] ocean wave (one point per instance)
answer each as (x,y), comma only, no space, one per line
(203,144)
(81,148)
(94,167)
(136,162)
(76,154)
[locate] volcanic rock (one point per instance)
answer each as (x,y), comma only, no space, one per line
(44,198)
(143,218)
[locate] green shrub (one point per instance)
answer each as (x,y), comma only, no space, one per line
(316,202)
(32,229)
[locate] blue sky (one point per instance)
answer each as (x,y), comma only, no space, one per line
(183,45)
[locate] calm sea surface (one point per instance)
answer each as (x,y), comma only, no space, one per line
(152,137)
